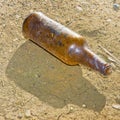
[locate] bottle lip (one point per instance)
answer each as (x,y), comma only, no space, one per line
(107,69)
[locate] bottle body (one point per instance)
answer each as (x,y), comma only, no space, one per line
(66,45)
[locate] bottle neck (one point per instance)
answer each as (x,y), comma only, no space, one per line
(92,60)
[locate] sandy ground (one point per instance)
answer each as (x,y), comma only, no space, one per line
(36,86)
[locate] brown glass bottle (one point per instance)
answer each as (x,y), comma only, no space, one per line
(66,45)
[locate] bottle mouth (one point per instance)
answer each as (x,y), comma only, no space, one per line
(107,69)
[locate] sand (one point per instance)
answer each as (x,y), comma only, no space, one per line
(34,85)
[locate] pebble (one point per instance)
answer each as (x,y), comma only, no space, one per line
(84,106)
(71,108)
(15,39)
(108,20)
(79,8)
(116,106)
(27,113)
(116,6)
(4,25)
(17,16)
(37,75)
(20,116)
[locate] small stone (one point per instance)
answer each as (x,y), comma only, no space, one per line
(108,20)
(17,16)
(4,25)
(79,8)
(15,39)
(84,106)
(116,106)
(20,116)
(116,6)
(27,113)
(37,75)
(71,108)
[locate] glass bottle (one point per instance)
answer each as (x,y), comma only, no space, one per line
(68,46)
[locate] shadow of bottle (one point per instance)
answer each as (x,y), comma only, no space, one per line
(57,84)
